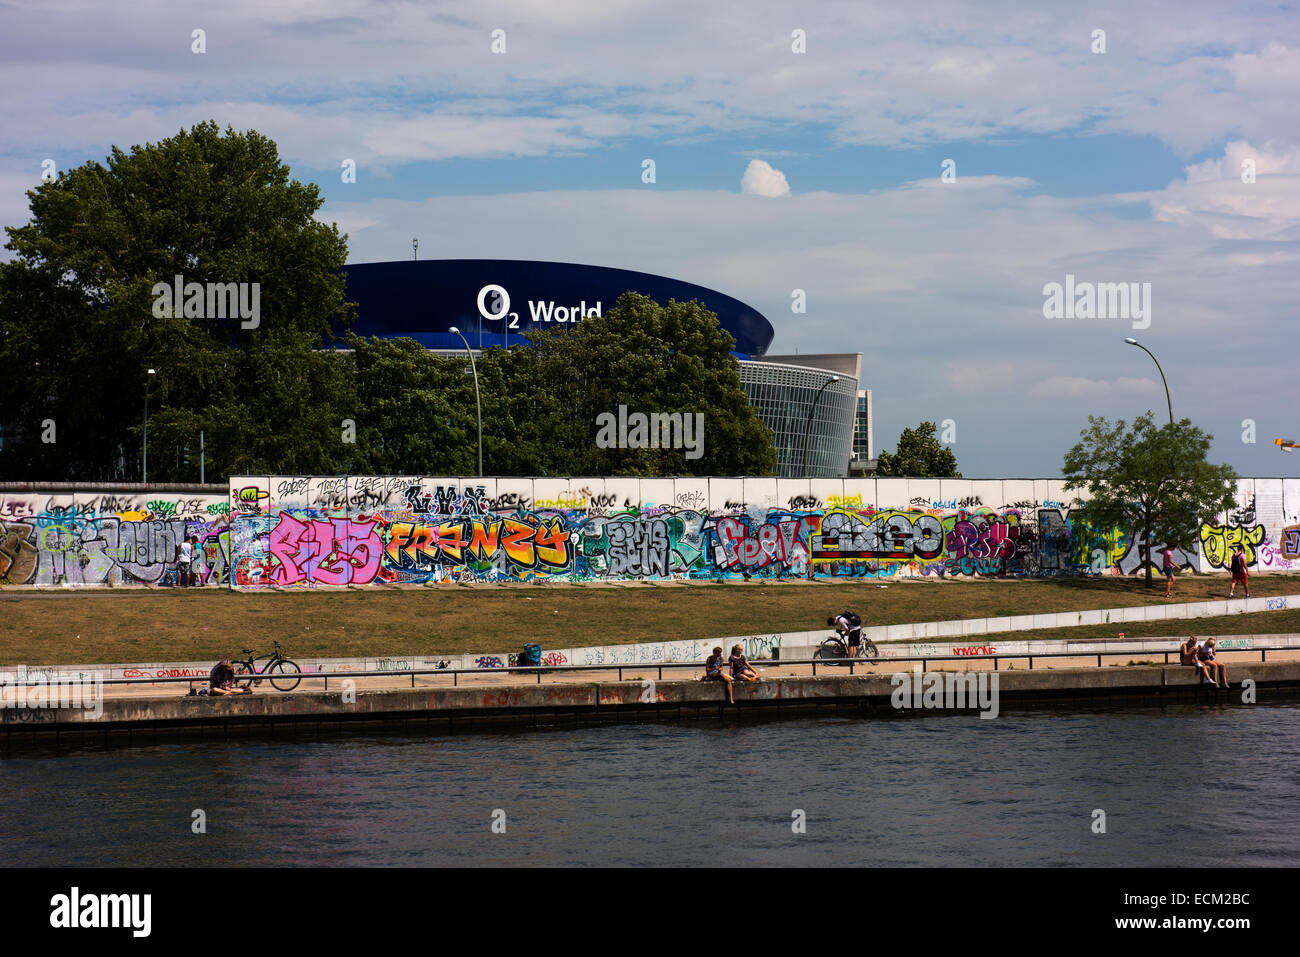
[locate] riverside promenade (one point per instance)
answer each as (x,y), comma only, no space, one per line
(475,702)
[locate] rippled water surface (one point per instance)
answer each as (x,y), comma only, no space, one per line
(918,790)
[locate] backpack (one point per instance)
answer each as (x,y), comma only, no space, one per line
(852,618)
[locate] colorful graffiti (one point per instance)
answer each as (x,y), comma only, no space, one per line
(303,531)
(111,539)
(1218,542)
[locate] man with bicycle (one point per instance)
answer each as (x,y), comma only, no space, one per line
(848,625)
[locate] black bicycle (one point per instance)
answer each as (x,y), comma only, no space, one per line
(283,674)
(836,647)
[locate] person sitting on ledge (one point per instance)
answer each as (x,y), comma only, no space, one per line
(1211,667)
(713,672)
(741,670)
(222,680)
(1189,653)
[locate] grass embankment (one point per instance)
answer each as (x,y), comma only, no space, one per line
(62,627)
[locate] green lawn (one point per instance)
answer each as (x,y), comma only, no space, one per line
(61,627)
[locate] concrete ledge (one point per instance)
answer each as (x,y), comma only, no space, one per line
(529,703)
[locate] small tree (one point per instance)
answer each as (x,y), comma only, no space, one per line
(1157,481)
(920,455)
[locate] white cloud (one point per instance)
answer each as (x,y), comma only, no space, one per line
(763,179)
(1077,387)
(417,83)
(1213,197)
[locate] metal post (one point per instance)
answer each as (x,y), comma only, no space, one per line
(478,407)
(807,432)
(144,466)
(1168,401)
(202,471)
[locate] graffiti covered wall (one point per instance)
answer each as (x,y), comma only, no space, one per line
(109,538)
(362,530)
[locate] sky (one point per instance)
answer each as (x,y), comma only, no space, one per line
(796,146)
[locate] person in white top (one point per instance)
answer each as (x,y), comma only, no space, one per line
(183,577)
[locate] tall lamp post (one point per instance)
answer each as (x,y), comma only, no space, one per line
(807,432)
(145,467)
(1169,402)
(478,408)
(1134,342)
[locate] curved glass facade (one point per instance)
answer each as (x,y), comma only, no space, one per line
(784,395)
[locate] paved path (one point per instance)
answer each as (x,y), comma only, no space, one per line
(642,672)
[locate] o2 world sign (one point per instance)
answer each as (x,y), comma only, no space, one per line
(494,305)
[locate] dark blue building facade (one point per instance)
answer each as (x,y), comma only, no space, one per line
(495,301)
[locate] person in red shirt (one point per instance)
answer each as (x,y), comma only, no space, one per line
(1239,572)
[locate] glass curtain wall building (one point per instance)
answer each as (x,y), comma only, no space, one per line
(784,395)
(864,442)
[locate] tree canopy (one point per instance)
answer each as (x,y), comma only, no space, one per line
(1155,480)
(92,301)
(79,310)
(919,455)
(544,401)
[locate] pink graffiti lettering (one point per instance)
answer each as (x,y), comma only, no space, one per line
(335,552)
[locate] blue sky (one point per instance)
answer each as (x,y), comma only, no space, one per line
(1116,166)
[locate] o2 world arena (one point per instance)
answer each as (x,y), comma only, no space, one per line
(493,302)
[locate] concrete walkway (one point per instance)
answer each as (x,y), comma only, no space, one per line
(333,684)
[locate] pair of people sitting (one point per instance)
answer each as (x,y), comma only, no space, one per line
(1201,655)
(741,669)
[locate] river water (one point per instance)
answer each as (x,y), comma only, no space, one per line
(927,789)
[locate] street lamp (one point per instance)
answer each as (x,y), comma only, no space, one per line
(1134,342)
(808,429)
(1169,402)
(478,408)
(145,467)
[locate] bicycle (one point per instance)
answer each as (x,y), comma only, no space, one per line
(836,647)
(283,674)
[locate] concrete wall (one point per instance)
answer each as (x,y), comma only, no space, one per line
(363,530)
(302,530)
(127,535)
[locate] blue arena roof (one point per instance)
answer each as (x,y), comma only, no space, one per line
(494,301)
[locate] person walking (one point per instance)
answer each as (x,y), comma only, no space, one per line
(1168,562)
(1239,574)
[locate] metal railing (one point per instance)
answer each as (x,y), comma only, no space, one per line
(620,667)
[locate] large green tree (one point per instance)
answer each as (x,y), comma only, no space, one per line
(414,412)
(1156,483)
(651,358)
(919,455)
(80,327)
